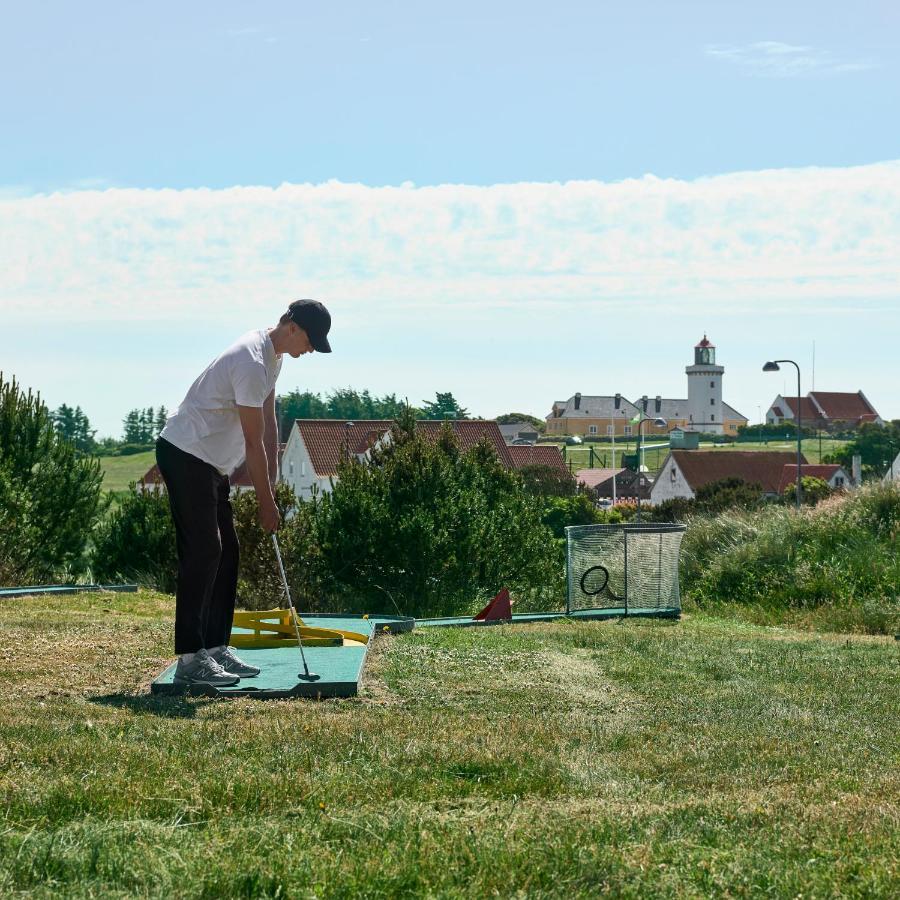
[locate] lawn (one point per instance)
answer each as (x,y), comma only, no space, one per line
(706,757)
(120,471)
(579,456)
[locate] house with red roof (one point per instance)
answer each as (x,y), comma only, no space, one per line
(684,471)
(315,447)
(824,410)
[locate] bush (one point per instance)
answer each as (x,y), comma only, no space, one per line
(425,529)
(547,481)
(812,490)
(136,542)
(259,581)
(840,553)
(712,498)
(50,494)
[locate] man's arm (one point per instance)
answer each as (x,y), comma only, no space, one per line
(271,438)
(253,426)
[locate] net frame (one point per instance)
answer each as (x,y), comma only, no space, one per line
(634,565)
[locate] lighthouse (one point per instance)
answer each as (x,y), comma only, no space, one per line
(705,410)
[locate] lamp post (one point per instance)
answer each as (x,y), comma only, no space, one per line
(659,423)
(772,366)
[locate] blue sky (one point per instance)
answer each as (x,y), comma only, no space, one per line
(510,201)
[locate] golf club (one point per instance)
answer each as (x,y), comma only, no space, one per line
(305,675)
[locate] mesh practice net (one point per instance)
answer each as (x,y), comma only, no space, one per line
(630,567)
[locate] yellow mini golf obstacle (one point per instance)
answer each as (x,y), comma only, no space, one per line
(272,628)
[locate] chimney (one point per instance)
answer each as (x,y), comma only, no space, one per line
(644,401)
(857,470)
(577,401)
(618,400)
(658,403)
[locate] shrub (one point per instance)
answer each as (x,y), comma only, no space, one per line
(547,481)
(259,581)
(50,494)
(712,498)
(426,529)
(840,553)
(136,542)
(812,490)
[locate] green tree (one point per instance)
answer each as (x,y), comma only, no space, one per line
(444,406)
(878,445)
(131,427)
(514,417)
(161,415)
(548,481)
(427,529)
(50,494)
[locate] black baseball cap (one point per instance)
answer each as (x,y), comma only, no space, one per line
(315,320)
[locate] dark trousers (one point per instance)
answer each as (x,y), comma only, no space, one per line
(208,549)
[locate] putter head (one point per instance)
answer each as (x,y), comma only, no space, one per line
(308,676)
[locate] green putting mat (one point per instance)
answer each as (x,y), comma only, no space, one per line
(340,668)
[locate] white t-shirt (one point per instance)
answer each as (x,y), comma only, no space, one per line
(207,424)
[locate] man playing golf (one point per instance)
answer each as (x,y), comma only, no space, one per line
(227,416)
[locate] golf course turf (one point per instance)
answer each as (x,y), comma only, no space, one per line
(701,757)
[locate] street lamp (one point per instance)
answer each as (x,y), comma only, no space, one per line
(659,423)
(773,366)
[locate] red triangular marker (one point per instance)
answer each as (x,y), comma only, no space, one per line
(499,608)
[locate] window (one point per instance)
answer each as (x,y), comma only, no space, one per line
(609,429)
(592,429)
(712,401)
(712,384)
(839,481)
(303,469)
(712,418)
(291,467)
(627,431)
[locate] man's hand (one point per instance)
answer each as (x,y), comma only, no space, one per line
(269,517)
(252,424)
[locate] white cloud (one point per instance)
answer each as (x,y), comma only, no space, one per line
(774,59)
(747,241)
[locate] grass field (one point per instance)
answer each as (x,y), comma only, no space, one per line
(119,471)
(701,758)
(655,455)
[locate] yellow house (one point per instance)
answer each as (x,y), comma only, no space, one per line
(703,410)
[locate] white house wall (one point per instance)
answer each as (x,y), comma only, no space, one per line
(670,483)
(297,469)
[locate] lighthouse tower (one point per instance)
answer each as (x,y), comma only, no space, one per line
(705,390)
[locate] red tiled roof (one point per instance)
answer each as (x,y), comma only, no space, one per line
(843,407)
(789,474)
(592,477)
(538,455)
(469,432)
(764,467)
(325,439)
(704,343)
(809,411)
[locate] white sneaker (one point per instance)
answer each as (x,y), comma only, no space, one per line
(203,670)
(231,663)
